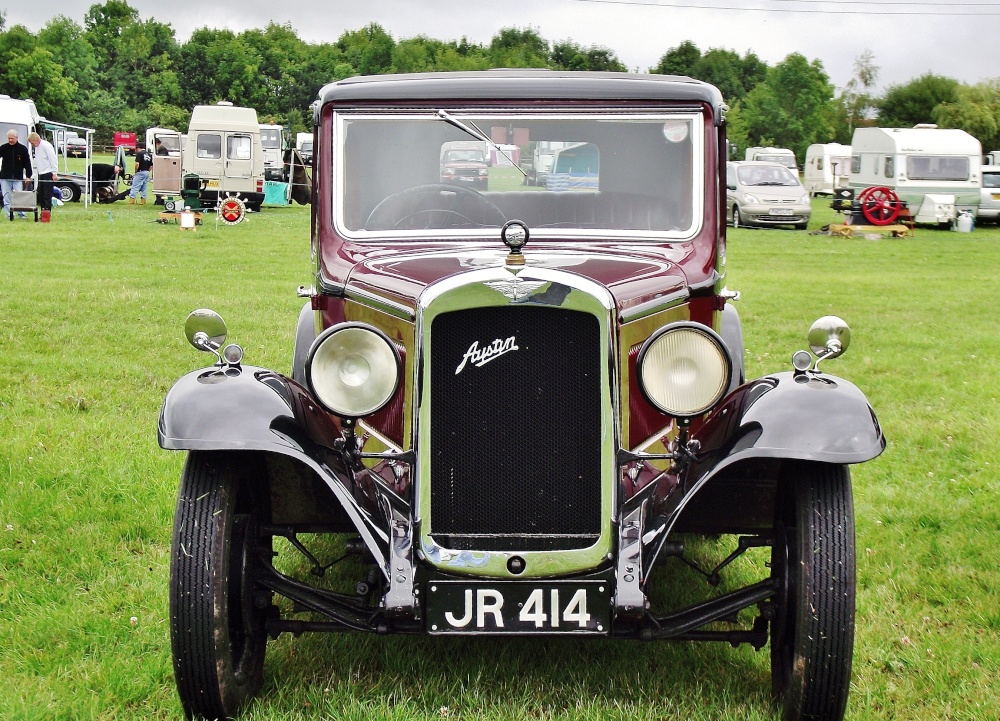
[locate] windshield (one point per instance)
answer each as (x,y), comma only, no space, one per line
(991,180)
(270,137)
(766,175)
(563,175)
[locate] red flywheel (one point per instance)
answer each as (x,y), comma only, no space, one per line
(879,204)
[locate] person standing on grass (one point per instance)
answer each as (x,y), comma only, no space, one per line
(140,180)
(15,166)
(43,159)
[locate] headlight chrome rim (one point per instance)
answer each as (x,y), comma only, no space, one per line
(717,390)
(377,359)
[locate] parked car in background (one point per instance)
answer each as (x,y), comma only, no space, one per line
(465,164)
(765,194)
(125,140)
(76,147)
(514,412)
(989,201)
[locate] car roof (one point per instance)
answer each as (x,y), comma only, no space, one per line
(524,84)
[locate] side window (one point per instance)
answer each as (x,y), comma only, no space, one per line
(890,165)
(855,164)
(209,146)
(730,177)
(238,147)
(819,163)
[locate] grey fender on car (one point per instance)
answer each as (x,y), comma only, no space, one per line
(305,334)
(254,409)
(731,331)
(781,417)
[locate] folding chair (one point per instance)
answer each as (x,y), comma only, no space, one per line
(23,201)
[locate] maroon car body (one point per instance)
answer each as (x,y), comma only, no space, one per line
(514,403)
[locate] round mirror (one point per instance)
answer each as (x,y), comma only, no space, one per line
(205,330)
(829,337)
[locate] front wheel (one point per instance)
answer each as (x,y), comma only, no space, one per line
(737,222)
(812,559)
(217,611)
(68,192)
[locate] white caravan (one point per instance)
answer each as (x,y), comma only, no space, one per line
(936,171)
(827,167)
(784,156)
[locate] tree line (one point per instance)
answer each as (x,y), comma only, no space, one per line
(119,72)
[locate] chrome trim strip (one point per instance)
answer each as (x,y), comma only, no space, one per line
(655,305)
(377,302)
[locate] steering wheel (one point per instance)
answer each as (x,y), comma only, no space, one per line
(434,206)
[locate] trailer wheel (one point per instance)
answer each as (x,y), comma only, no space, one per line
(217,611)
(812,559)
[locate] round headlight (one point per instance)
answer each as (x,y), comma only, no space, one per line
(353,369)
(684,369)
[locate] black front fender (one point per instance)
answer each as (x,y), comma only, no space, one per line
(781,417)
(795,416)
(254,409)
(244,408)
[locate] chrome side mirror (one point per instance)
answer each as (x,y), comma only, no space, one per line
(205,330)
(828,337)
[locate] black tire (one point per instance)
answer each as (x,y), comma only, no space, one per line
(801,226)
(812,635)
(217,634)
(736,217)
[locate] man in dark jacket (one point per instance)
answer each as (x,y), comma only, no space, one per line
(15,166)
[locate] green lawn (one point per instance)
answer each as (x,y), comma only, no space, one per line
(91,338)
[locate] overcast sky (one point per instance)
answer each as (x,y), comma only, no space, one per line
(960,40)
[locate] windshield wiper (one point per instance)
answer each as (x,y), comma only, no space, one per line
(478,134)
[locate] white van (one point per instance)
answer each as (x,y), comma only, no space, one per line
(272,139)
(936,171)
(827,167)
(19,115)
(223,149)
(784,156)
(304,144)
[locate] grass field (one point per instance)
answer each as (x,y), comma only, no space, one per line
(91,337)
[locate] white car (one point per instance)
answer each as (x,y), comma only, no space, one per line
(765,194)
(989,200)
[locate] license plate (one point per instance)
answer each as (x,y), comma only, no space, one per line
(996,196)
(213,184)
(555,607)
(780,211)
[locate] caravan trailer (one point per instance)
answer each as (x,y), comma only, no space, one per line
(784,156)
(19,115)
(934,170)
(827,167)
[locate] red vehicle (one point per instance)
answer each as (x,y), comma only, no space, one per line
(125,140)
(512,406)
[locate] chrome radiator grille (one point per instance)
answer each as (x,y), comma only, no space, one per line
(516,429)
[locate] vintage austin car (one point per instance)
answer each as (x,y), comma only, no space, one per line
(513,407)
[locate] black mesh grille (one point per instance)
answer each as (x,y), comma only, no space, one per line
(516,440)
